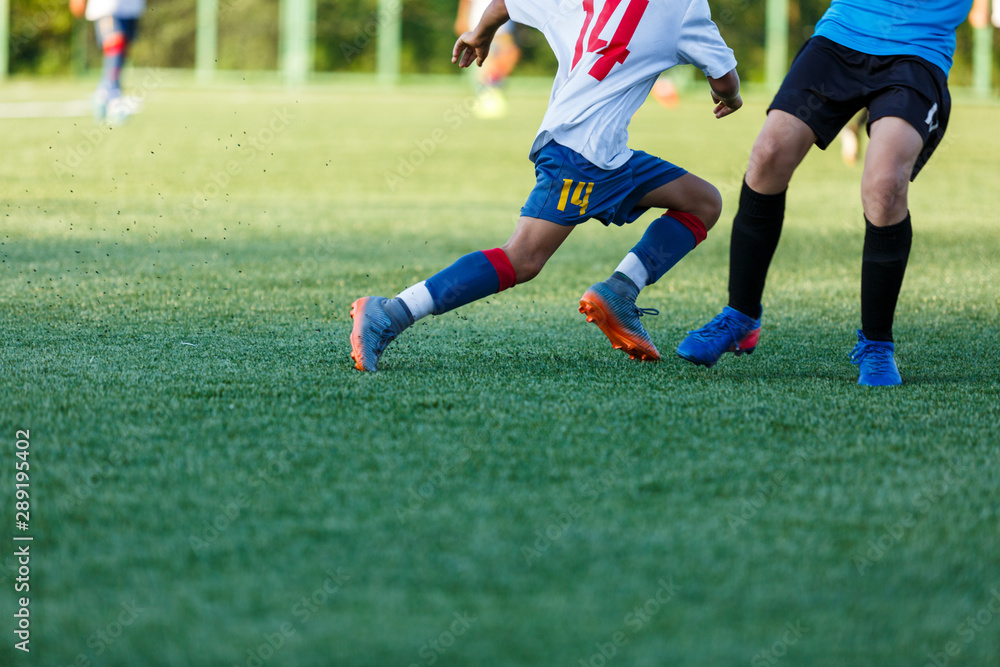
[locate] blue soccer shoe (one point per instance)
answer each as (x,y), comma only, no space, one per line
(618,318)
(371,333)
(730,331)
(878,365)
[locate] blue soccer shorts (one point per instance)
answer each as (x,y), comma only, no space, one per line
(569,189)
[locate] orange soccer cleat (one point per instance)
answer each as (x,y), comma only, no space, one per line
(618,317)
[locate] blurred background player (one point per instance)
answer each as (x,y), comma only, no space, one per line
(980,16)
(851,62)
(608,63)
(116,23)
(850,138)
(665,92)
(504,54)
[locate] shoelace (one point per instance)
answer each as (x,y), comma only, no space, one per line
(386,336)
(720,323)
(879,358)
(646,311)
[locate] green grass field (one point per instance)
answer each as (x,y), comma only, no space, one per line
(212,483)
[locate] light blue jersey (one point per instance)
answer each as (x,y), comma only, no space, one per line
(924,28)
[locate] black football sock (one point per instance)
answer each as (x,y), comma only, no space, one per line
(756,230)
(623,286)
(883,264)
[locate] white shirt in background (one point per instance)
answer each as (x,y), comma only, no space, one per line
(123,9)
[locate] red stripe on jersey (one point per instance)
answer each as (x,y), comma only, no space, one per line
(617,51)
(588,7)
(596,43)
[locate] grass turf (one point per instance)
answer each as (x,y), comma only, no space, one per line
(214,484)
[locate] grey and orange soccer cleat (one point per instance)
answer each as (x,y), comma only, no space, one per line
(371,333)
(618,317)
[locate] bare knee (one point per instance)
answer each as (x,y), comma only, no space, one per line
(883,195)
(526,264)
(771,165)
(710,208)
(687,194)
(777,152)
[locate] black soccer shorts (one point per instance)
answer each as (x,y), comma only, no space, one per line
(828,83)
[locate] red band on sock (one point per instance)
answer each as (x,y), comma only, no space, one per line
(501,264)
(113,44)
(692,222)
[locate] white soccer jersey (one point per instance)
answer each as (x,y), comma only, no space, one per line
(123,9)
(610,54)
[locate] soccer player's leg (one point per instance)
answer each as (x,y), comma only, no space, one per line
(782,144)
(818,96)
(908,118)
(693,207)
(892,153)
(113,40)
(850,138)
(379,320)
(504,54)
(120,107)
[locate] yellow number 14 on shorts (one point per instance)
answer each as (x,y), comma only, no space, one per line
(575,199)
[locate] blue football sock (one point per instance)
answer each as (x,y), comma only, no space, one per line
(472,277)
(666,241)
(114,45)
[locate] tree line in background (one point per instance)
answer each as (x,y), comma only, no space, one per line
(43,36)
